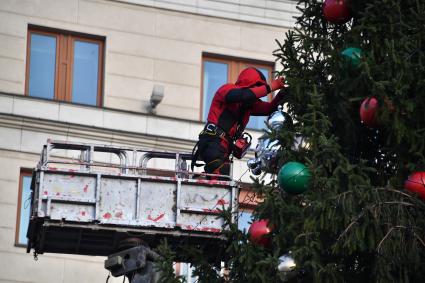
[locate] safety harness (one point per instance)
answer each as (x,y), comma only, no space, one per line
(212,130)
(215,131)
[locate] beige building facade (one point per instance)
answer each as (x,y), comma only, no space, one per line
(143,45)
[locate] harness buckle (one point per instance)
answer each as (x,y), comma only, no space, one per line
(214,130)
(211,127)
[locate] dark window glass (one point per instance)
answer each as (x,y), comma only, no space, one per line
(24,213)
(42,66)
(186,270)
(85,73)
(244,221)
(215,75)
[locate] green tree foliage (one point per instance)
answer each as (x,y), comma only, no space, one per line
(356,223)
(165,263)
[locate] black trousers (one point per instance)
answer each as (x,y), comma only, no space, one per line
(214,151)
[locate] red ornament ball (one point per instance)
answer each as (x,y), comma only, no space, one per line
(415,183)
(259,231)
(368,112)
(336,11)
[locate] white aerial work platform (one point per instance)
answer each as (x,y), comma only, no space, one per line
(90,199)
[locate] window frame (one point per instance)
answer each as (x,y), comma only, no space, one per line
(24,172)
(65,42)
(235,66)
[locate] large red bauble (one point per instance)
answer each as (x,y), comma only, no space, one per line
(336,11)
(368,112)
(415,183)
(259,231)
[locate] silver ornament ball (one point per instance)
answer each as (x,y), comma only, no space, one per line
(253,163)
(286,263)
(278,119)
(256,171)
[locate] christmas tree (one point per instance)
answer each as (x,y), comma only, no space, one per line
(356,222)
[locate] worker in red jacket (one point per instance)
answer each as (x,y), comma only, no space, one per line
(229,113)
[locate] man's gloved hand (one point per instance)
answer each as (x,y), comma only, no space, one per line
(277,83)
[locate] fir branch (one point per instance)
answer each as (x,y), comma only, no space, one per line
(386,236)
(349,226)
(419,239)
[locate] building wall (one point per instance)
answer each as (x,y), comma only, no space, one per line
(147,43)
(144,46)
(271,12)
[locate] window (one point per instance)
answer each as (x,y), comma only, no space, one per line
(24,207)
(248,201)
(186,270)
(64,66)
(219,70)
(244,221)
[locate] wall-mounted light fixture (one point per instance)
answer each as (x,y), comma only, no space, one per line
(156,98)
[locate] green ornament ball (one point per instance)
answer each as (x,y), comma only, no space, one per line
(294,178)
(352,55)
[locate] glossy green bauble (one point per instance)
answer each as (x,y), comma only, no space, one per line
(352,55)
(294,178)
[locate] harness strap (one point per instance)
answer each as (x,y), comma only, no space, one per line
(195,156)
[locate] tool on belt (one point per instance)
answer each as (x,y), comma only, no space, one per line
(241,145)
(242,139)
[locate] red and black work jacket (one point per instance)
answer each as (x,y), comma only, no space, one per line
(233,104)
